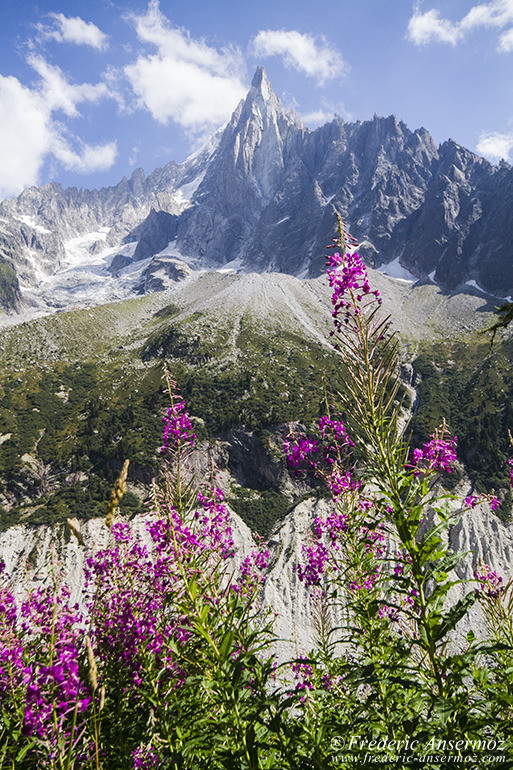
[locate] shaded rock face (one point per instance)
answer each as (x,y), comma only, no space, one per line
(263,195)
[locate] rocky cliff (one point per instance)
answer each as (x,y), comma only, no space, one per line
(263,196)
(30,552)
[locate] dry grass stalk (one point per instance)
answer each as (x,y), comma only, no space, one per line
(93,668)
(116,495)
(74,526)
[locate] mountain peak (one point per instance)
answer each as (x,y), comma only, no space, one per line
(261,85)
(260,77)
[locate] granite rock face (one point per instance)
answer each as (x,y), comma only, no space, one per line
(263,196)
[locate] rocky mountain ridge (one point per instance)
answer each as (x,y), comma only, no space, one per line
(263,196)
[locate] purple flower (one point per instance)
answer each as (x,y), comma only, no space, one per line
(335,429)
(490,581)
(316,558)
(303,671)
(436,454)
(297,449)
(177,424)
(348,278)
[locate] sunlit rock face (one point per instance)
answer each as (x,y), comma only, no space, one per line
(296,611)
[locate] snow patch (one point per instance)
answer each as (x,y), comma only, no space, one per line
(77,249)
(395,270)
(231,267)
(186,191)
(474,285)
(171,251)
(31,222)
(127,250)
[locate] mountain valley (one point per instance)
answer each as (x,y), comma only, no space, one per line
(213,269)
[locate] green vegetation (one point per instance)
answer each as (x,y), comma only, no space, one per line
(260,510)
(66,427)
(81,391)
(472,389)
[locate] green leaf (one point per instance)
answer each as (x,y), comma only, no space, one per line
(193,590)
(456,613)
(444,709)
(226,645)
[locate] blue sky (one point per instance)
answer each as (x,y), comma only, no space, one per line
(90,91)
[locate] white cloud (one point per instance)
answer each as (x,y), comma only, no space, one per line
(325,114)
(506,41)
(134,155)
(58,94)
(427,27)
(75,30)
(25,136)
(308,54)
(88,158)
(495,145)
(30,131)
(317,117)
(186,80)
(495,14)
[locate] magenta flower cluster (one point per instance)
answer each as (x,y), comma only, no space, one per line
(40,645)
(302,450)
(336,431)
(139,600)
(252,570)
(348,278)
(298,450)
(437,454)
(491,582)
(177,425)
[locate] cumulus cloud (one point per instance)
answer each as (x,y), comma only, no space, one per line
(30,130)
(185,80)
(310,55)
(74,30)
(429,26)
(506,41)
(317,117)
(495,145)
(325,113)
(88,158)
(423,28)
(58,94)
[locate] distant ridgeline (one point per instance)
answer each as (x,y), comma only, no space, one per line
(263,195)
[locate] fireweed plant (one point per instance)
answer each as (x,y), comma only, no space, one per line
(167,669)
(391,678)
(170,665)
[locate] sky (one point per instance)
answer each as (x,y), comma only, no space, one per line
(91,91)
